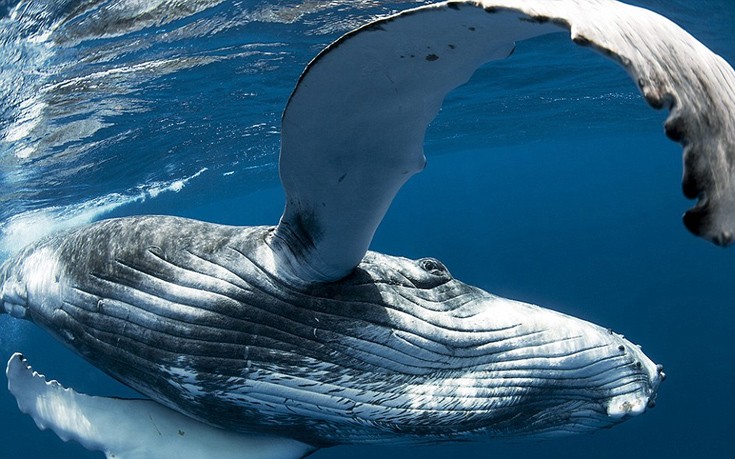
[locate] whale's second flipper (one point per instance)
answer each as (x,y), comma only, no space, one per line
(134,429)
(354,127)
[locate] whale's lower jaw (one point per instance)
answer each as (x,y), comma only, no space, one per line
(399,351)
(326,404)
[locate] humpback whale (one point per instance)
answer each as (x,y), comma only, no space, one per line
(271,342)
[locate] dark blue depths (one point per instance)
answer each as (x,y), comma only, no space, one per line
(549,180)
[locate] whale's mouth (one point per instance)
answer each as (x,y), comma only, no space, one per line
(629,405)
(637,402)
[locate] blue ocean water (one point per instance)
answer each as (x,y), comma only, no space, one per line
(549,180)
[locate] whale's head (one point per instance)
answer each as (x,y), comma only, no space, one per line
(569,375)
(501,367)
(572,376)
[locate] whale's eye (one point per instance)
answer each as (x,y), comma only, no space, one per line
(433,266)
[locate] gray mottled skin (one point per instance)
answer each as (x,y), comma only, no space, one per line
(189,314)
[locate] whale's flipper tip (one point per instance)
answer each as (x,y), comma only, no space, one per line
(134,429)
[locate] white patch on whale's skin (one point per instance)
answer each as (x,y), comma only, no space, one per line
(41,275)
(37,281)
(627,404)
(184,378)
(134,429)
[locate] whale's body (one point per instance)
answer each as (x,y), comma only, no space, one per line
(278,340)
(189,314)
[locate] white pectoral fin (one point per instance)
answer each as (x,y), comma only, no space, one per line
(354,127)
(134,429)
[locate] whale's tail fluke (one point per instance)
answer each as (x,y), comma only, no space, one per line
(134,429)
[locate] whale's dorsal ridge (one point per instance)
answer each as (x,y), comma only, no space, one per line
(354,126)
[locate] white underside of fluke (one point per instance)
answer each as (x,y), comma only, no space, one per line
(134,429)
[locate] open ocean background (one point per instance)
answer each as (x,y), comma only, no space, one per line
(549,180)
